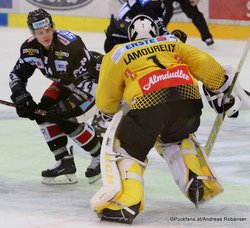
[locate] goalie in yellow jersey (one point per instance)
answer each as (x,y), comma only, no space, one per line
(157,77)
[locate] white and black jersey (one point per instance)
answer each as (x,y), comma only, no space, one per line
(67,62)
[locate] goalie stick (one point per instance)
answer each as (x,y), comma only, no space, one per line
(220,117)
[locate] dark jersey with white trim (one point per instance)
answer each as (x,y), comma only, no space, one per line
(67,62)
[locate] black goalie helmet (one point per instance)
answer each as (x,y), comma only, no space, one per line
(142,27)
(39,19)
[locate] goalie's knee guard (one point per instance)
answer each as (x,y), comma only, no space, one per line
(121,198)
(190,169)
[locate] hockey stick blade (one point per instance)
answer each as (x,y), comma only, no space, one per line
(220,117)
(248,93)
(37,111)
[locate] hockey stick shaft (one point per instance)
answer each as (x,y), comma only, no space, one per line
(220,117)
(37,111)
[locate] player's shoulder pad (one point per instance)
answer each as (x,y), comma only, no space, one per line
(30,47)
(29,42)
(66,37)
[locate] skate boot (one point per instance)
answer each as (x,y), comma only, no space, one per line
(121,216)
(93,172)
(210,43)
(63,172)
(196,190)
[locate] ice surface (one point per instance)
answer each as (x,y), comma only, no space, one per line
(26,203)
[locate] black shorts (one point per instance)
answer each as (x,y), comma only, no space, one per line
(173,121)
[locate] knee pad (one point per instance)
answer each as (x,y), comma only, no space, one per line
(55,139)
(51,131)
(83,134)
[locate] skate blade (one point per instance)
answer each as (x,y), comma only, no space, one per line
(197,199)
(63,179)
(93,179)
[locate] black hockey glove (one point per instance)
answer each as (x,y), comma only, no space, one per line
(59,112)
(116,33)
(180,35)
(101,122)
(25,105)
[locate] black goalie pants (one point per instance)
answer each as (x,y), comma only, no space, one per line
(172,121)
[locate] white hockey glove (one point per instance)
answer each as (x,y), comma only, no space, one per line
(219,100)
(101,122)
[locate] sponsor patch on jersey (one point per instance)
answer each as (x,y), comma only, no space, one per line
(30,51)
(130,74)
(63,40)
(60,54)
(165,78)
(39,63)
(137,44)
(61,65)
(81,69)
(118,54)
(67,35)
(31,60)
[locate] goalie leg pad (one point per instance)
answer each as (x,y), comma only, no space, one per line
(126,207)
(110,174)
(171,152)
(190,169)
(121,202)
(121,198)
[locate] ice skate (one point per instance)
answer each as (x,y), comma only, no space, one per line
(121,216)
(210,43)
(93,172)
(196,190)
(63,172)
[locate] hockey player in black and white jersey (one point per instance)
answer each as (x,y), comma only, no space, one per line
(62,57)
(116,32)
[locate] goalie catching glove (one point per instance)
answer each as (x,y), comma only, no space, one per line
(220,101)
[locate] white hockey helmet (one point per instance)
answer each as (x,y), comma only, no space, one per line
(142,27)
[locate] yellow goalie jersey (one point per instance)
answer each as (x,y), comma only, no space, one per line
(152,71)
